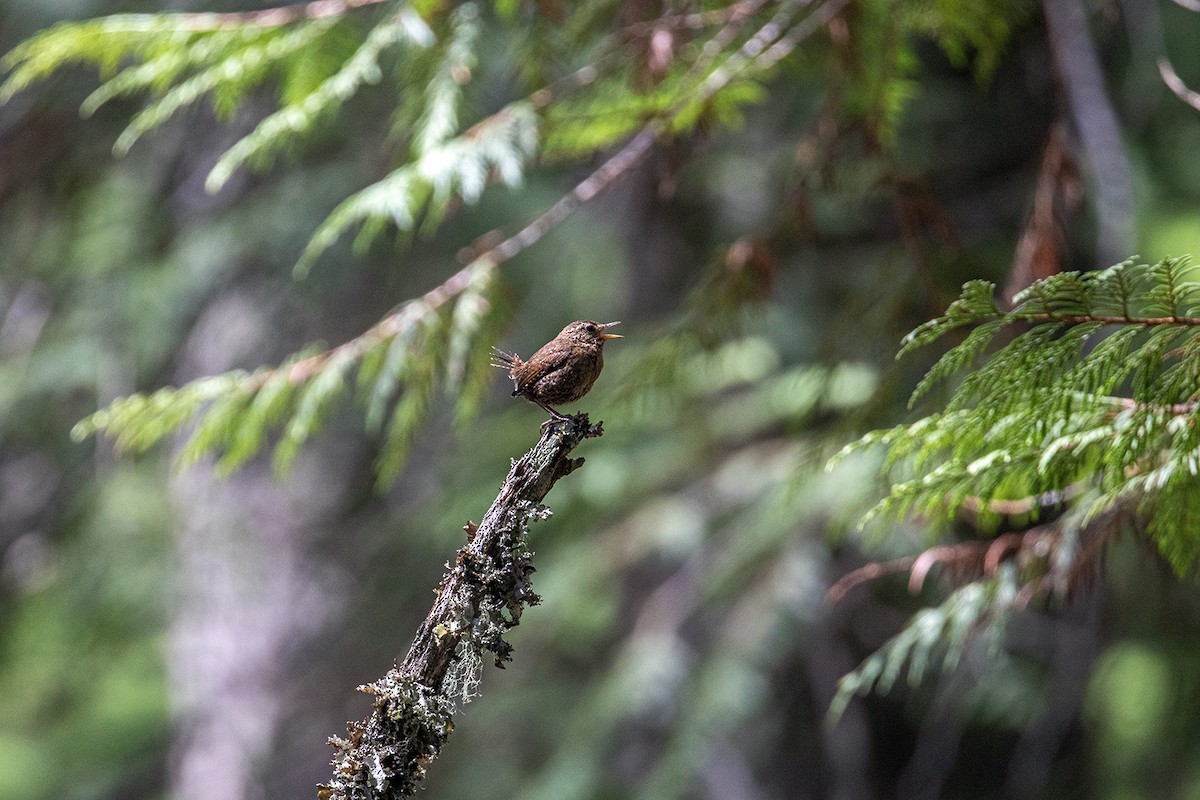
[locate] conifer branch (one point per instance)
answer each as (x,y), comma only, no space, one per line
(165,46)
(482,595)
(427,343)
(436,340)
(616,167)
(992,578)
(267,17)
(638,146)
(495,148)
(1110,319)
(767,47)
(934,641)
(1068,415)
(296,119)
(304,370)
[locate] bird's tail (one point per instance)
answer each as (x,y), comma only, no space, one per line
(504,359)
(509,362)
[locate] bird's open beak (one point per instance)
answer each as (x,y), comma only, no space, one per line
(608,325)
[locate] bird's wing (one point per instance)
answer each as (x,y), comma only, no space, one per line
(551,358)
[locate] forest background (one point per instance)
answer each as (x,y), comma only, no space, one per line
(771,234)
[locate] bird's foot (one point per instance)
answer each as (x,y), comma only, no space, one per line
(580,420)
(557,421)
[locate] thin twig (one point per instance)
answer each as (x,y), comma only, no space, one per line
(1024,505)
(1175,83)
(760,45)
(867,572)
(581,77)
(730,30)
(1038,550)
(750,50)
(820,17)
(696,20)
(588,73)
(1129,404)
(1109,319)
(1090,541)
(268,17)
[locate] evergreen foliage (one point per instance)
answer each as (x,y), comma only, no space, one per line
(1066,420)
(935,639)
(319,55)
(395,369)
(421,192)
(1080,404)
(1097,386)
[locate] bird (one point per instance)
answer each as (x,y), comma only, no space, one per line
(563,369)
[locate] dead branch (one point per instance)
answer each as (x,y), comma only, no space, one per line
(1041,250)
(868,572)
(1056,556)
(481,596)
(1176,85)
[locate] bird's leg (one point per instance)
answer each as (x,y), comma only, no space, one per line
(555,416)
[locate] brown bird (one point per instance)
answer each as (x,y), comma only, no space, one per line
(563,370)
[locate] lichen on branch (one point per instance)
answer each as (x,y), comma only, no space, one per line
(481,596)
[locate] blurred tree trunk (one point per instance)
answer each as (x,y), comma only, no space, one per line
(250,590)
(1082,81)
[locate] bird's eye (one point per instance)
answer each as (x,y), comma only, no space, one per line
(591,328)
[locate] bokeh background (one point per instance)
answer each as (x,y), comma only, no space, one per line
(169,633)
